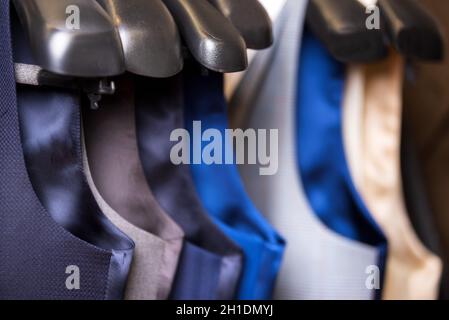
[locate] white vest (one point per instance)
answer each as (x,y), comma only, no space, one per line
(318,264)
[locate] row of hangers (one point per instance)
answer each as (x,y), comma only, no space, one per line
(152,38)
(148,42)
(146,37)
(404,25)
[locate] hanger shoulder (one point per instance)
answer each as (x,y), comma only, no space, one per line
(251,20)
(90,49)
(210,37)
(412,30)
(341,26)
(150,38)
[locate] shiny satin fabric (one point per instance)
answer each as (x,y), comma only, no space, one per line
(323,166)
(222,193)
(111,145)
(426,114)
(412,272)
(211,263)
(318,263)
(50,225)
(232,210)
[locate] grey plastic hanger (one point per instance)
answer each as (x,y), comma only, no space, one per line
(94,88)
(412,30)
(92,49)
(341,27)
(210,37)
(150,38)
(251,20)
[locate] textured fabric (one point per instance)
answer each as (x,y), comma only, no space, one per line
(145,269)
(412,272)
(50,133)
(35,250)
(426,113)
(111,144)
(324,171)
(221,190)
(211,263)
(318,264)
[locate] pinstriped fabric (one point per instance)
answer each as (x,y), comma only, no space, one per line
(159,111)
(319,264)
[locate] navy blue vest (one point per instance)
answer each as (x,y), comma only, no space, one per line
(210,263)
(52,233)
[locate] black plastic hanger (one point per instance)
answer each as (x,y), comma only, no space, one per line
(150,38)
(412,30)
(341,26)
(210,37)
(92,50)
(250,18)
